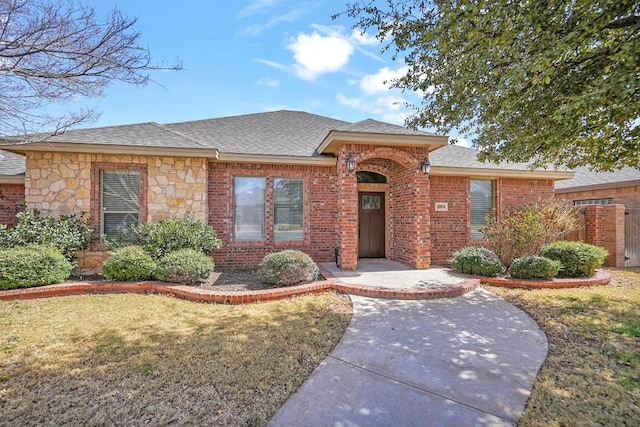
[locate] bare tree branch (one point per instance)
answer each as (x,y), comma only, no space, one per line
(54,51)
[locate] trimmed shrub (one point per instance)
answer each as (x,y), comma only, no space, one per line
(169,235)
(578,259)
(129,263)
(184,266)
(33,265)
(476,260)
(534,267)
(68,233)
(287,268)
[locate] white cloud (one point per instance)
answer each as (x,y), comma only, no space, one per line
(395,118)
(391,102)
(316,54)
(381,80)
(273,64)
(268,82)
(258,6)
(357,104)
(364,39)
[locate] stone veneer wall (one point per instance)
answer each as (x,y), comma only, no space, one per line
(61,183)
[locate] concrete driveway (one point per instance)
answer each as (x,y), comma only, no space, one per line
(464,361)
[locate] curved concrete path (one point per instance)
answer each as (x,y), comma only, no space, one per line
(464,361)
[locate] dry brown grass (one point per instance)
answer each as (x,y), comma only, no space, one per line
(592,374)
(155,360)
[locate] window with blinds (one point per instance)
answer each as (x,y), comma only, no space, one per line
(481,205)
(249,208)
(120,202)
(288,209)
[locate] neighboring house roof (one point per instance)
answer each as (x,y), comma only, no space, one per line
(585,179)
(450,159)
(12,167)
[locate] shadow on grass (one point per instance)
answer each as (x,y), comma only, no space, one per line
(134,359)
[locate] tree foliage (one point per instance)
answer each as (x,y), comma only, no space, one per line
(544,81)
(53,51)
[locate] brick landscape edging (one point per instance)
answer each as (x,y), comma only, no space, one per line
(600,278)
(196,294)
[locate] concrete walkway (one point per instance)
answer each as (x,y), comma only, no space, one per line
(464,361)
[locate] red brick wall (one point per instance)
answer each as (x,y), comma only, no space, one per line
(513,192)
(320,215)
(451,229)
(628,196)
(10,195)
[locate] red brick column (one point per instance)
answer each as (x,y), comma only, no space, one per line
(347,213)
(614,234)
(423,221)
(594,220)
(10,196)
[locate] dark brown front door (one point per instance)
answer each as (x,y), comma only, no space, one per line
(371,225)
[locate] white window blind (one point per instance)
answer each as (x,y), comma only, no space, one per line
(481,205)
(120,201)
(288,209)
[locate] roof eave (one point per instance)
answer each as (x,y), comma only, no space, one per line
(605,186)
(211,153)
(12,179)
(279,160)
(500,173)
(335,138)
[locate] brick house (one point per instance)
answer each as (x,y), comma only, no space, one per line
(611,203)
(277,180)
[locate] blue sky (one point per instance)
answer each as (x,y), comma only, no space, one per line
(250,56)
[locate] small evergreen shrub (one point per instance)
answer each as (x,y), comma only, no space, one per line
(184,266)
(68,233)
(33,265)
(129,263)
(287,268)
(169,235)
(534,267)
(476,260)
(578,259)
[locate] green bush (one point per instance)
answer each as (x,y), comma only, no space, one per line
(68,233)
(524,231)
(534,267)
(476,260)
(33,265)
(169,235)
(129,263)
(578,259)
(184,266)
(287,268)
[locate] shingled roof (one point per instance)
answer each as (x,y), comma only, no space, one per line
(279,133)
(11,164)
(585,179)
(456,156)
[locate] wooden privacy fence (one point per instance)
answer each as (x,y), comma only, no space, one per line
(632,237)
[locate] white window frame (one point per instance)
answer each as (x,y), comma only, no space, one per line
(260,232)
(288,230)
(476,225)
(131,201)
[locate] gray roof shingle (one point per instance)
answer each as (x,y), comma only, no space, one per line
(584,177)
(374,126)
(457,156)
(280,133)
(141,135)
(11,164)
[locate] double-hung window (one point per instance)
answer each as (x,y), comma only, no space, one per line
(481,205)
(288,212)
(120,201)
(249,208)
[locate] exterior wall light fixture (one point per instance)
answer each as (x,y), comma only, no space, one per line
(351,163)
(425,166)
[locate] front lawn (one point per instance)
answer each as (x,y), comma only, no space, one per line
(592,374)
(155,360)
